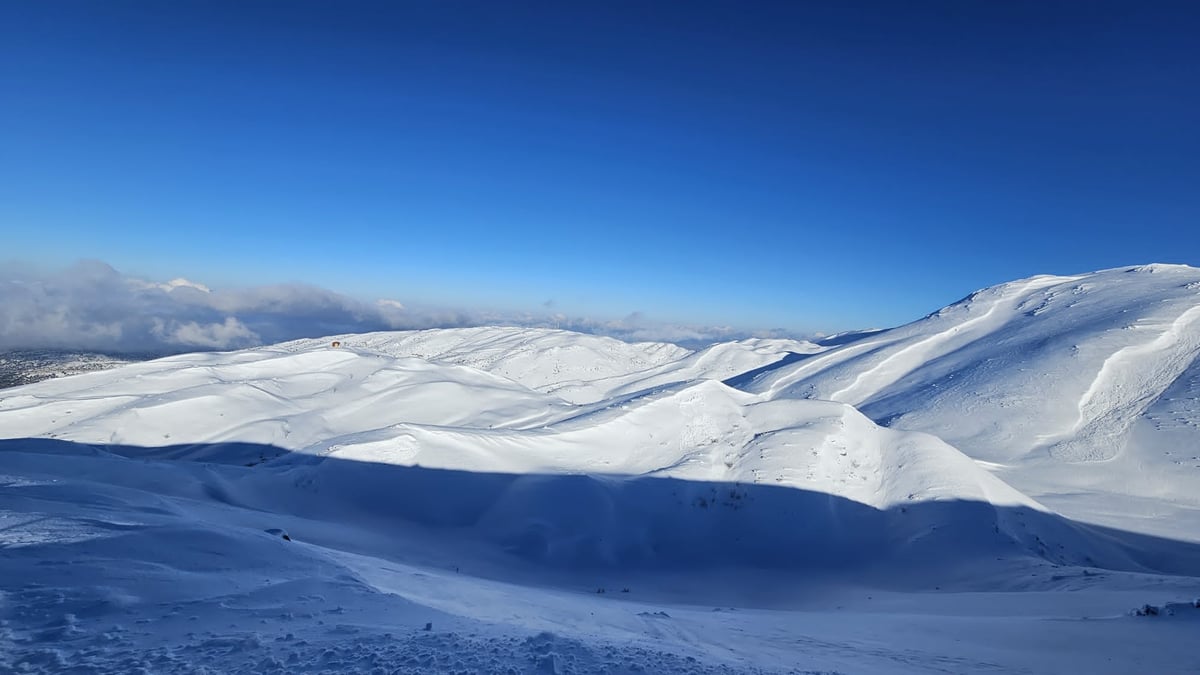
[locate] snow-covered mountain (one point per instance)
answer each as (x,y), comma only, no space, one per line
(1083,384)
(577,367)
(933,490)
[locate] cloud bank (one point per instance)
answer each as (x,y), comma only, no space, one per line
(93,307)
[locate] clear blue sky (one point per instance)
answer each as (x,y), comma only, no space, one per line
(800,165)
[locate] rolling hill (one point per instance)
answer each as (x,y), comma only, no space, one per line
(948,493)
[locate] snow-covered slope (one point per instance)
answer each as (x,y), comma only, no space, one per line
(538,358)
(556,502)
(724,361)
(1079,383)
(719,467)
(336,414)
(291,399)
(576,367)
(115,565)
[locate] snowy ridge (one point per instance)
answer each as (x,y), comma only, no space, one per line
(1110,342)
(1129,381)
(722,361)
(705,432)
(1047,380)
(330,416)
(860,371)
(507,500)
(576,367)
(541,359)
(266,396)
(900,362)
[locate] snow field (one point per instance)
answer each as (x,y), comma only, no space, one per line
(993,488)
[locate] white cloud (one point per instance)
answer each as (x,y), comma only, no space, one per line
(224,335)
(171,285)
(91,306)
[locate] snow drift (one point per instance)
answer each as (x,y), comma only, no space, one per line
(1064,384)
(508,500)
(1064,365)
(651,478)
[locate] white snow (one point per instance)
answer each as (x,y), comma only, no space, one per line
(541,359)
(515,500)
(1059,383)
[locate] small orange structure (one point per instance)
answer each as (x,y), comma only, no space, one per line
(336,344)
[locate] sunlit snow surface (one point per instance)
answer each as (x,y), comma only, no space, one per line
(514,500)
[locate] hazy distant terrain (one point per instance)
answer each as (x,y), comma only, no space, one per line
(26,366)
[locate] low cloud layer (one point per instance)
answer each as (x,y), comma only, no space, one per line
(91,306)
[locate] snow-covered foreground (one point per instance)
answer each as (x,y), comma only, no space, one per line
(507,500)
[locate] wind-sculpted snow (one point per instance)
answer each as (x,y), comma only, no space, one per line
(112,564)
(357,404)
(507,500)
(337,414)
(541,359)
(292,399)
(1035,376)
(576,367)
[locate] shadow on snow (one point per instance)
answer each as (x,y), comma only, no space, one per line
(595,521)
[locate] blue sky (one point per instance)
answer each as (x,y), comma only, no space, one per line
(809,166)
